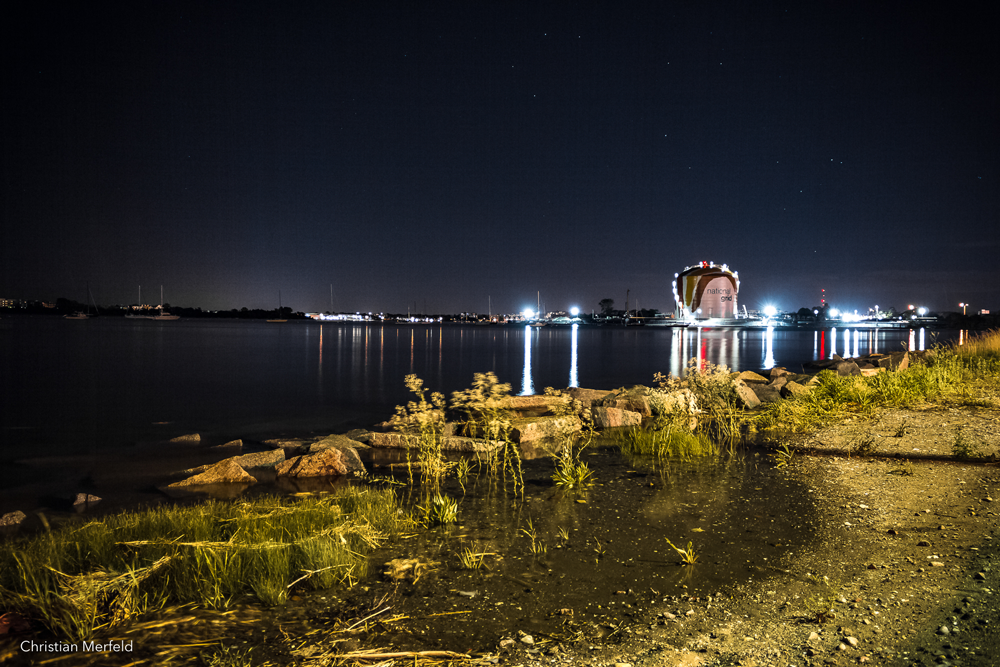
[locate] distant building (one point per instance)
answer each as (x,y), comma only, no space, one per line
(706,290)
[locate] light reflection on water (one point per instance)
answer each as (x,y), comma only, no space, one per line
(112,380)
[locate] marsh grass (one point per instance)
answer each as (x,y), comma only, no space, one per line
(783,456)
(424,418)
(438,510)
(688,556)
(668,442)
(487,417)
(82,581)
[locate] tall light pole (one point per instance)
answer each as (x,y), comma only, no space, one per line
(964,306)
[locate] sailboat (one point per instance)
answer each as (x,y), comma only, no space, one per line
(135,315)
(278,319)
(163,315)
(80,315)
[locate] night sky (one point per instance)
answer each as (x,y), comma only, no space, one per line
(433,156)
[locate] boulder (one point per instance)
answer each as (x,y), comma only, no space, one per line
(327,463)
(868,372)
(189,439)
(12,518)
(767,394)
(895,361)
(635,399)
(746,395)
(84,500)
(235,444)
(290,445)
(846,368)
(260,459)
(780,381)
(794,389)
(359,435)
(251,461)
(337,442)
(535,428)
(587,397)
(778,371)
(614,417)
(750,377)
(223,472)
(347,447)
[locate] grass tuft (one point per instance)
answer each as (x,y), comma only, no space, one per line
(83,581)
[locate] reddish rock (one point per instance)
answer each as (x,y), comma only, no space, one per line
(327,463)
(615,417)
(223,472)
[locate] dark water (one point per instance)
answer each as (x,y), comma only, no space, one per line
(87,390)
(602,552)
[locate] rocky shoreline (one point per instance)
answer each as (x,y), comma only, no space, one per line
(903,571)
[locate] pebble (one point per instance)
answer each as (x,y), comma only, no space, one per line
(853,641)
(943,630)
(527,639)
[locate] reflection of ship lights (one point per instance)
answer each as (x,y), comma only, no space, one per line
(573,382)
(527,386)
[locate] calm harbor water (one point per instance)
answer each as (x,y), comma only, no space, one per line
(76,385)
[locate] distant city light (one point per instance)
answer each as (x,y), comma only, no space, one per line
(921,311)
(834,312)
(770,311)
(528,313)
(574,311)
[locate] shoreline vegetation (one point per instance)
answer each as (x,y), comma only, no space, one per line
(93,581)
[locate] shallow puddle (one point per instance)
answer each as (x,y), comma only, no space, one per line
(557,559)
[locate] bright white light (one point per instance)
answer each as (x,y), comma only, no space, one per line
(528,313)
(574,311)
(921,311)
(834,312)
(770,311)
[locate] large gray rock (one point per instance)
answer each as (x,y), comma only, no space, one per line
(746,395)
(845,368)
(614,417)
(234,444)
(752,378)
(895,361)
(188,439)
(767,394)
(223,472)
(535,428)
